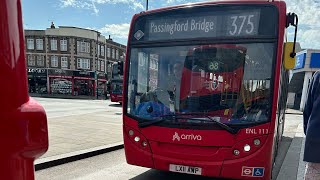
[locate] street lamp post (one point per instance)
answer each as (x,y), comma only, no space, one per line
(147,5)
(97,46)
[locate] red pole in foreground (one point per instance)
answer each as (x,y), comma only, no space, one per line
(23,128)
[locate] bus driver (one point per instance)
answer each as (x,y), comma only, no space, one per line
(174,85)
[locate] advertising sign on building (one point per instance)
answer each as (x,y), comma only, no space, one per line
(315,60)
(37,72)
(300,60)
(60,73)
(61,86)
(83,75)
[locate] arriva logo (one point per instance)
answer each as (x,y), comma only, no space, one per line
(186,137)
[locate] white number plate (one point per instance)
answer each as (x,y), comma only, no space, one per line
(185,169)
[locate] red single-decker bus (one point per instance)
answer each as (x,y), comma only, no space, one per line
(205,88)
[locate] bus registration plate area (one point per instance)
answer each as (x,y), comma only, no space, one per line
(185,169)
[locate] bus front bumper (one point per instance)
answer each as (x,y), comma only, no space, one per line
(254,166)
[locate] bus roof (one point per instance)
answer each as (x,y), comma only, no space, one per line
(210,2)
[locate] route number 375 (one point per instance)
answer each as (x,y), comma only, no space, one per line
(242,25)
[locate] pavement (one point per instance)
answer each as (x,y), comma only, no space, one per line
(79,126)
(80,129)
(293,166)
(294,111)
(62,96)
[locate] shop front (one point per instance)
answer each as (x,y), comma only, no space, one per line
(83,83)
(60,82)
(37,80)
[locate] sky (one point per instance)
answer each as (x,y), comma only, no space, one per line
(112,17)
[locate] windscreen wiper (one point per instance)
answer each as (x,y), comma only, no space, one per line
(220,124)
(224,126)
(149,123)
(164,118)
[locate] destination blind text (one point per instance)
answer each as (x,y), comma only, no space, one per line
(188,25)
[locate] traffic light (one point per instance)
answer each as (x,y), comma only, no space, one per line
(120,67)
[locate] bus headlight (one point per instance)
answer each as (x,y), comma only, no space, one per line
(246,148)
(137,139)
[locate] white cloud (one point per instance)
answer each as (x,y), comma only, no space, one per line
(119,31)
(91,4)
(309,28)
(132,3)
(66,3)
(309,38)
(88,5)
(94,8)
(307,10)
(175,1)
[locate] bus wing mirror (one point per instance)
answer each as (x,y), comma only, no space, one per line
(289,61)
(290,47)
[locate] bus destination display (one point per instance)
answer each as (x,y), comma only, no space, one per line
(178,27)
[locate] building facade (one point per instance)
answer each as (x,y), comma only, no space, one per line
(307,63)
(70,61)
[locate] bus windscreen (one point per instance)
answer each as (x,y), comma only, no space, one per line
(116,86)
(229,82)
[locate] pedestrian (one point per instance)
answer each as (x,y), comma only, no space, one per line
(106,94)
(311,117)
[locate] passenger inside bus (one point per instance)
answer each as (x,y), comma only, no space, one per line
(153,104)
(163,100)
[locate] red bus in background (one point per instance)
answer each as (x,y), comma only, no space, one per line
(212,73)
(23,129)
(116,86)
(116,90)
(205,88)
